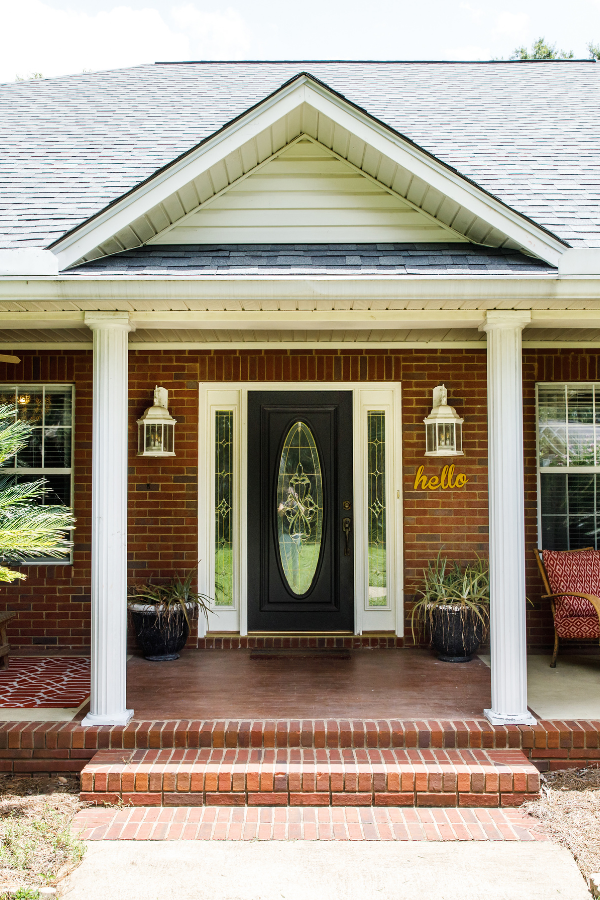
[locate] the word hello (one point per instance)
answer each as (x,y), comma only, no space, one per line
(445,481)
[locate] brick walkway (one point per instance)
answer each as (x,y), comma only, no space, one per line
(308,824)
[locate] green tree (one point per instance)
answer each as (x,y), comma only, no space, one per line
(33,77)
(541,50)
(594,51)
(28,527)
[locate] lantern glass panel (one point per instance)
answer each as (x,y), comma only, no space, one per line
(430,435)
(154,438)
(169,429)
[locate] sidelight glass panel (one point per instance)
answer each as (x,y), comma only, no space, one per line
(299,507)
(224,507)
(376,510)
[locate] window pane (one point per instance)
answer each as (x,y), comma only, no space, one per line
(59,489)
(582,532)
(57,448)
(376,510)
(580,404)
(30,404)
(30,456)
(552,426)
(57,407)
(581,494)
(581,445)
(554,494)
(224,508)
(554,533)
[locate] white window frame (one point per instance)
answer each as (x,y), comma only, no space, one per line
(556,470)
(67,559)
(385,396)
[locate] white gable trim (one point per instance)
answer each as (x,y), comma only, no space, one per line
(283,109)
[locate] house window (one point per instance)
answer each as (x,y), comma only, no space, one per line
(49,451)
(568,465)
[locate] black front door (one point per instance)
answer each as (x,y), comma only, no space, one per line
(300,511)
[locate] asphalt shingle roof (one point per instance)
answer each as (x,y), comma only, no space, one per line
(526,132)
(329,259)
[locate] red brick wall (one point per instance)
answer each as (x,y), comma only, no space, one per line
(53,603)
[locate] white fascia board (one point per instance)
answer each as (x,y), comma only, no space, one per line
(580,261)
(28,261)
(158,188)
(73,293)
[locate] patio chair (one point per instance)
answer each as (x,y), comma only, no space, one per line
(572,582)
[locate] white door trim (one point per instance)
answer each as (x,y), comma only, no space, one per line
(366,395)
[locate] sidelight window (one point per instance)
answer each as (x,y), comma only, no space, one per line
(223,511)
(376,508)
(568,465)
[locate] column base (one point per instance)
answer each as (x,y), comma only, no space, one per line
(495,718)
(123,718)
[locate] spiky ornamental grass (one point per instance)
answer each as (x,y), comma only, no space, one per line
(28,529)
(447,585)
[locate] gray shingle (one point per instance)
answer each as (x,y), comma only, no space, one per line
(333,259)
(526,132)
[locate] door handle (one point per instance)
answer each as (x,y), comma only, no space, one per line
(346,528)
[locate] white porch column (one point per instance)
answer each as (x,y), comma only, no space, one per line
(507,519)
(109,519)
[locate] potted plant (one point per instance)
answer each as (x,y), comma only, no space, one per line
(455,603)
(161,615)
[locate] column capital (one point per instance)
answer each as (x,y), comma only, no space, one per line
(506,318)
(108,319)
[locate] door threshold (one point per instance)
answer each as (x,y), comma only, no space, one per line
(299,634)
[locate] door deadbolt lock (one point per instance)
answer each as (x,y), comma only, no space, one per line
(347,504)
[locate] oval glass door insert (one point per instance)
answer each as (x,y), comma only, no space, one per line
(299,507)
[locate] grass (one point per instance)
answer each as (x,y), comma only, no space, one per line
(37,847)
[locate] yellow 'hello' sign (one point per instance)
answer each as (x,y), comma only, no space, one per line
(445,481)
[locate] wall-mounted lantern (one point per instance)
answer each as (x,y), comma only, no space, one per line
(156,428)
(443,427)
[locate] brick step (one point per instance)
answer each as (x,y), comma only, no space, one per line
(299,777)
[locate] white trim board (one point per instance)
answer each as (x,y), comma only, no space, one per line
(234,396)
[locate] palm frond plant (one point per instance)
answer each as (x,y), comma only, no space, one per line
(30,527)
(161,614)
(454,602)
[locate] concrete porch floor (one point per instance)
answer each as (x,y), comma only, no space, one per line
(370,684)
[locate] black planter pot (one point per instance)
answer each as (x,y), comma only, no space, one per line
(455,633)
(160,637)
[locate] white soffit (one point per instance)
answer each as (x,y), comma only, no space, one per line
(305,108)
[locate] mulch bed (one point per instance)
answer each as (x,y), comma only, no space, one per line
(569,811)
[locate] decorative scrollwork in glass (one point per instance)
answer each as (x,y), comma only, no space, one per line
(299,507)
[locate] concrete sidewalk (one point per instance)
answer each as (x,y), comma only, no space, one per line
(297,870)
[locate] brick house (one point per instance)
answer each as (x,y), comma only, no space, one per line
(331,245)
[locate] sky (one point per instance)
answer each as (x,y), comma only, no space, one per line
(62,37)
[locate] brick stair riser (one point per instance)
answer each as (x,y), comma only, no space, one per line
(310,778)
(32,747)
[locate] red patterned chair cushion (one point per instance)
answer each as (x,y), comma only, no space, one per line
(574,572)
